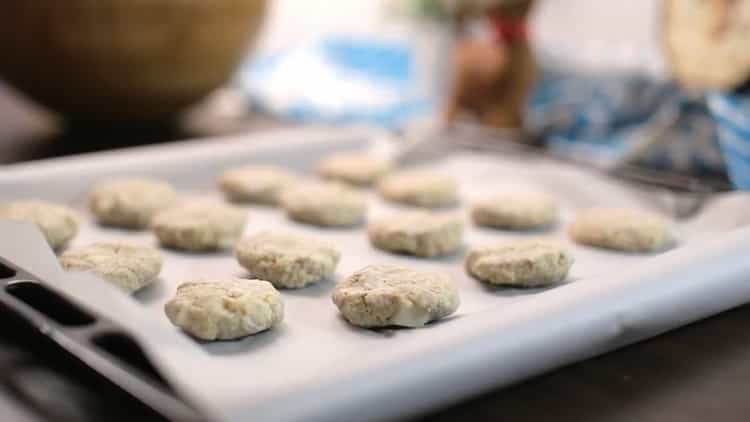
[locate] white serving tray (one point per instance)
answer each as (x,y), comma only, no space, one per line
(315,367)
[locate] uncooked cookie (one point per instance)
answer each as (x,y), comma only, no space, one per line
(225,309)
(57,223)
(622,229)
(515,210)
(324,204)
(523,263)
(353,168)
(262,184)
(286,260)
(130,203)
(199,226)
(127,266)
(418,233)
(419,188)
(383,295)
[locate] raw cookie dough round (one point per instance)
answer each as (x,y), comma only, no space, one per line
(524,263)
(225,309)
(130,203)
(383,295)
(324,204)
(199,226)
(262,184)
(127,266)
(57,223)
(417,233)
(419,188)
(515,210)
(353,168)
(286,260)
(622,229)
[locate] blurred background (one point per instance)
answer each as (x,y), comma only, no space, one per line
(609,82)
(658,85)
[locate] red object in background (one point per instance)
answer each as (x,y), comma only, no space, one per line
(509,30)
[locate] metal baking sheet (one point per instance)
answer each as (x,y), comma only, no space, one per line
(314,366)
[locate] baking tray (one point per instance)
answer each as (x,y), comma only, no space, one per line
(314,366)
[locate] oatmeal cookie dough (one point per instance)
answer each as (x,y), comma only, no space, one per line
(58,224)
(515,210)
(287,260)
(383,295)
(130,203)
(225,309)
(424,234)
(623,229)
(199,225)
(523,263)
(354,168)
(130,267)
(327,204)
(419,188)
(262,183)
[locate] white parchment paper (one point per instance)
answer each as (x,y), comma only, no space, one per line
(315,367)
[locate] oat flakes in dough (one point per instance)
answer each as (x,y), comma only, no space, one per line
(523,263)
(324,204)
(419,233)
(58,224)
(225,309)
(287,260)
(622,229)
(130,203)
(383,295)
(261,184)
(127,266)
(353,168)
(199,226)
(419,188)
(515,210)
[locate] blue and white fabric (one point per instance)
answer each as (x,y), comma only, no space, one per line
(610,119)
(732,115)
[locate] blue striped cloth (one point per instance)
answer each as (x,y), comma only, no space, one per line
(613,119)
(732,114)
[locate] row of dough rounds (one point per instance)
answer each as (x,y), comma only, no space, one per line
(372,297)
